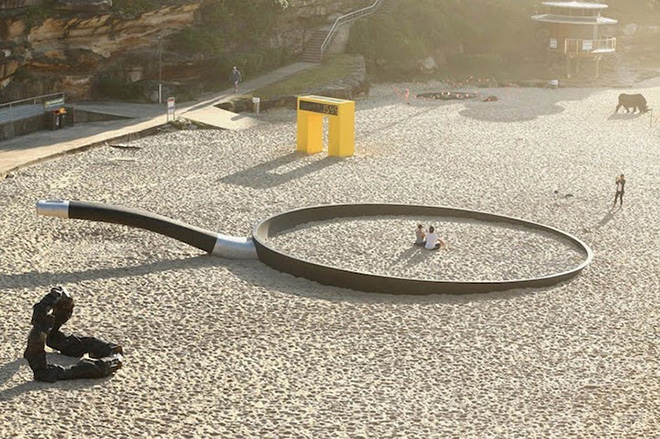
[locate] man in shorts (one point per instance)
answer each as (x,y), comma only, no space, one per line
(433,242)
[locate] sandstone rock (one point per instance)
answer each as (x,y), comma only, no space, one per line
(107,34)
(92,42)
(12,29)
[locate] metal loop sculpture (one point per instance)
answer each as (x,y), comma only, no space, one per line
(48,316)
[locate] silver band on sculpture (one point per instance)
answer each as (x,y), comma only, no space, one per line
(233,247)
(54,208)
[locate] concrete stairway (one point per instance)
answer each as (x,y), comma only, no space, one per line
(313,51)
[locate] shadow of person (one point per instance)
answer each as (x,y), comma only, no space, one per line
(414,255)
(609,216)
(8,370)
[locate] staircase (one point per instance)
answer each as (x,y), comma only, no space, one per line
(321,38)
(313,51)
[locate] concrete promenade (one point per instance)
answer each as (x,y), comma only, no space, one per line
(144,118)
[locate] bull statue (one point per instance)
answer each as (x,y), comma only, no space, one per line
(637,102)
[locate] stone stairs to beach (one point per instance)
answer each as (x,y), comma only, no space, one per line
(313,51)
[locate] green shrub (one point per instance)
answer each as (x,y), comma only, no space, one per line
(476,62)
(34,16)
(248,21)
(136,7)
(197,40)
(260,60)
(115,89)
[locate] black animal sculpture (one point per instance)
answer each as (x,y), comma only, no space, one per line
(637,102)
(47,317)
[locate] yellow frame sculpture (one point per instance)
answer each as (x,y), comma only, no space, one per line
(341,118)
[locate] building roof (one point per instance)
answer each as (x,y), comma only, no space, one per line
(552,18)
(575,5)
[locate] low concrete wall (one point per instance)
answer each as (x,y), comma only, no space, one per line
(40,122)
(15,128)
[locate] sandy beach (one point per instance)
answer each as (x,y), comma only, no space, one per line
(233,349)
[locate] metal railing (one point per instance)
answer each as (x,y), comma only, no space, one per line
(27,107)
(347,18)
(576,46)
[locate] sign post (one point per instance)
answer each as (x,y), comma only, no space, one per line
(171,108)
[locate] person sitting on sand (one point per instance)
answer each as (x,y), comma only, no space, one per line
(420,235)
(432,240)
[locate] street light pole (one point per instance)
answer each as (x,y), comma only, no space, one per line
(160,73)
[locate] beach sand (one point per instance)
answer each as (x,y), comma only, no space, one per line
(233,349)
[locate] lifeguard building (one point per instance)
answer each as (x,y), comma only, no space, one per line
(575,33)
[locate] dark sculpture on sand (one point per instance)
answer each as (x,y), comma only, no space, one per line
(47,317)
(637,102)
(447,95)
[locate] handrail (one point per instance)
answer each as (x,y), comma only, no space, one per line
(347,18)
(577,45)
(33,100)
(59,93)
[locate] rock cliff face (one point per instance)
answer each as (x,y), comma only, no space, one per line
(67,54)
(72,51)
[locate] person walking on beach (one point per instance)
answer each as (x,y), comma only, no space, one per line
(432,240)
(420,235)
(620,182)
(236,78)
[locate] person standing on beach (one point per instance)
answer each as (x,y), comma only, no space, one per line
(620,182)
(432,240)
(420,235)
(236,78)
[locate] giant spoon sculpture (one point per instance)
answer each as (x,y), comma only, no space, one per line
(257,247)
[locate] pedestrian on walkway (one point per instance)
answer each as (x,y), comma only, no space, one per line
(236,78)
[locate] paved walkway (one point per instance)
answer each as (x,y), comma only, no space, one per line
(33,148)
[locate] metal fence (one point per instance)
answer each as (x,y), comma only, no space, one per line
(575,46)
(29,107)
(351,16)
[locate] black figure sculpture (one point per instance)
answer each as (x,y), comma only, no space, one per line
(47,317)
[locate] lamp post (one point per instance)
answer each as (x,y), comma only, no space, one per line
(160,73)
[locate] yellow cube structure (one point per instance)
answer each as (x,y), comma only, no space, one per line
(341,120)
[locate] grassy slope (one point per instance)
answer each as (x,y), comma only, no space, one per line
(334,68)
